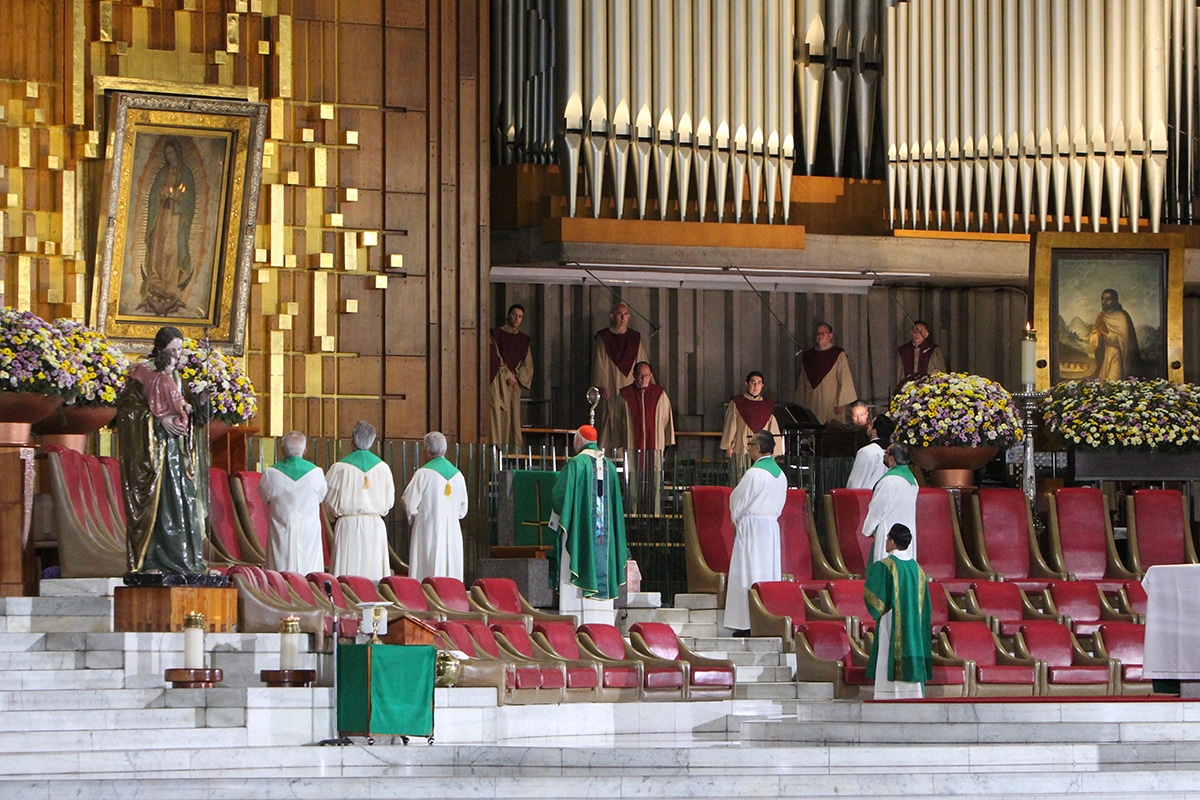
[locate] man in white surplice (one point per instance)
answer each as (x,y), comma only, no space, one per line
(435,500)
(361,491)
(293,490)
(754,506)
(868,461)
(894,500)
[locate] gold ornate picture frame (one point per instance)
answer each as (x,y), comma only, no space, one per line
(178,238)
(1107,305)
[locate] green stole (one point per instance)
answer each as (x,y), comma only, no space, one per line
(363,459)
(294,467)
(900,471)
(769,465)
(442,467)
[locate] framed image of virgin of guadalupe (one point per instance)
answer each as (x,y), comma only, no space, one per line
(1107,306)
(178,235)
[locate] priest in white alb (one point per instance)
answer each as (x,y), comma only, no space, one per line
(435,500)
(868,461)
(755,506)
(893,500)
(293,489)
(361,491)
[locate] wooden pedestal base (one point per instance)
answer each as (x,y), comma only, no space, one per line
(193,678)
(162,608)
(276,678)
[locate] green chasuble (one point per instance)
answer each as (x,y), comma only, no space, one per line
(900,586)
(587,500)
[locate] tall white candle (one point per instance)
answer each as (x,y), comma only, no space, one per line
(1029,357)
(289,643)
(193,648)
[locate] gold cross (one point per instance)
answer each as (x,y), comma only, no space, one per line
(539,524)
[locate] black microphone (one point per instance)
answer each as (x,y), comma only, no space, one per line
(329,590)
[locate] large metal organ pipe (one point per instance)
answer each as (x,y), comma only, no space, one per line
(998,115)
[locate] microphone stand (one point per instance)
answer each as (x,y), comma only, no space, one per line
(337,740)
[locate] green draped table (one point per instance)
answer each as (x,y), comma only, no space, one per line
(385,689)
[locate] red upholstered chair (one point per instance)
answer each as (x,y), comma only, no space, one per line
(825,653)
(96,485)
(1159,532)
(1070,670)
(315,596)
(1081,539)
(83,551)
(661,679)
(847,549)
(845,599)
(1132,599)
(940,548)
(708,678)
(620,679)
(225,532)
(264,597)
(532,682)
(480,669)
(252,512)
(1005,606)
(1082,605)
(1125,642)
(116,489)
(1005,540)
(707,539)
(500,596)
(581,675)
(801,556)
(408,594)
(449,596)
(944,608)
(998,673)
(779,608)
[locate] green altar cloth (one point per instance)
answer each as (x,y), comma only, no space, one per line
(385,689)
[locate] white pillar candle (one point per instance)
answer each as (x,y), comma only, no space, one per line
(193,641)
(1029,357)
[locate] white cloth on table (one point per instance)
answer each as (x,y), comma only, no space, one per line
(1172,650)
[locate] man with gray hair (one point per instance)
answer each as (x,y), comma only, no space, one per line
(893,500)
(361,491)
(293,490)
(435,500)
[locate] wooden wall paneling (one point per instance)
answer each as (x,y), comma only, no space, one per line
(405,13)
(362,12)
(406,220)
(409,143)
(361,166)
(353,409)
(406,317)
(407,62)
(406,391)
(365,213)
(360,64)
(362,333)
(360,375)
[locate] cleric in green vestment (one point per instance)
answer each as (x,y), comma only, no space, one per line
(897,596)
(163,446)
(588,509)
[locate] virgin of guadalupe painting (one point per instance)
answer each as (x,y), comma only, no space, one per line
(177,242)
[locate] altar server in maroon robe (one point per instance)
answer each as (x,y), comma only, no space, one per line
(617,349)
(823,383)
(511,370)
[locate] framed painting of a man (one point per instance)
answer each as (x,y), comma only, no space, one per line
(1107,306)
(178,238)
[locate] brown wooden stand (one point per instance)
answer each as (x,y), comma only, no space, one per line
(277,678)
(182,678)
(162,608)
(18,568)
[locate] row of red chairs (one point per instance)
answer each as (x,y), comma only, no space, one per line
(529,655)
(1022,651)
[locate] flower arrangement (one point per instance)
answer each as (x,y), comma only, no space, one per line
(98,365)
(955,409)
(1151,414)
(32,356)
(205,368)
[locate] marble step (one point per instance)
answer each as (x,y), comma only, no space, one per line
(40,660)
(696,601)
(72,700)
(779,690)
(706,644)
(78,587)
(763,674)
(21,642)
(11,680)
(146,719)
(16,745)
(749,658)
